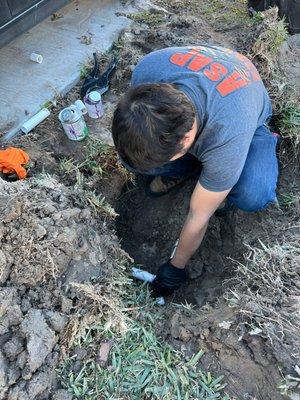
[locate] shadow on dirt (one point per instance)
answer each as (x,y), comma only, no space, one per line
(149,227)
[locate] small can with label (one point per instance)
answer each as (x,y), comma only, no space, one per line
(73,123)
(93,104)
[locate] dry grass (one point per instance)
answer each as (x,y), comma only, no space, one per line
(99,204)
(266,296)
(151,18)
(271,34)
(99,159)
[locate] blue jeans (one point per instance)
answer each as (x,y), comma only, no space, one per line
(256,187)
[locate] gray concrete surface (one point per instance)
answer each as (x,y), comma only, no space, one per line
(25,86)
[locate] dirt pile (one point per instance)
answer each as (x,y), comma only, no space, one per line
(50,241)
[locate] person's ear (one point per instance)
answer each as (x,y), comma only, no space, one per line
(186,139)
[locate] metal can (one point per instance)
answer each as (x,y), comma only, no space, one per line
(93,104)
(73,123)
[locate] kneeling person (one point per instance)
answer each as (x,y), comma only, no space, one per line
(198,110)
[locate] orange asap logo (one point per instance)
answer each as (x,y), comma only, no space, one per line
(203,59)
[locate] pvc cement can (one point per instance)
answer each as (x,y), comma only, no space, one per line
(93,104)
(73,123)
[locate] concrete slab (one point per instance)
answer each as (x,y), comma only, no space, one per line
(25,86)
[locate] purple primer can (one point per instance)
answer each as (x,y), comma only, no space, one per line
(73,123)
(93,104)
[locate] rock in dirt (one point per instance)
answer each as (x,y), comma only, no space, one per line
(13,347)
(57,320)
(103,353)
(66,304)
(62,395)
(40,339)
(4,267)
(18,392)
(13,375)
(39,383)
(6,295)
(21,360)
(178,330)
(3,375)
(11,318)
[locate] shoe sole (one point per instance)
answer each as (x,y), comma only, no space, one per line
(150,193)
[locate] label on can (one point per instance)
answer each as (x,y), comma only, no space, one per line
(94,108)
(76,130)
(73,123)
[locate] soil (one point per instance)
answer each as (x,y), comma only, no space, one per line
(148,229)
(51,239)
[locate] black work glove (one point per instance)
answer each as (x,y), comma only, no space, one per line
(168,279)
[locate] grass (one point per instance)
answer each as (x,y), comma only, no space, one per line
(265,281)
(285,98)
(140,364)
(289,123)
(85,70)
(266,289)
(268,44)
(99,204)
(99,159)
(288,199)
(148,17)
(228,13)
(48,104)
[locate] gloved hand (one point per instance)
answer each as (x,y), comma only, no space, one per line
(168,279)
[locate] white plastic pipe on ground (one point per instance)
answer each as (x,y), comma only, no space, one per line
(146,277)
(35,120)
(38,58)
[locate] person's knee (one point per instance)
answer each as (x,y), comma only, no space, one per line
(252,201)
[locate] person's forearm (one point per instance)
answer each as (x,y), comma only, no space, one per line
(190,239)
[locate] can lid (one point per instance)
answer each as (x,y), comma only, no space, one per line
(66,115)
(94,96)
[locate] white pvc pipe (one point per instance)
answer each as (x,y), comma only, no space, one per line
(142,275)
(147,277)
(38,58)
(35,120)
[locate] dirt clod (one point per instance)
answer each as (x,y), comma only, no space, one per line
(3,375)
(40,338)
(56,320)
(62,395)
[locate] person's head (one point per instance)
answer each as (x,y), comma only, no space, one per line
(153,124)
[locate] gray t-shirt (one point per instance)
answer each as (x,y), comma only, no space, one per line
(230,100)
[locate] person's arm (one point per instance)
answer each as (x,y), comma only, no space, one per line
(202,205)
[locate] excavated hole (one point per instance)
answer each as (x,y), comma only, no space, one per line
(149,227)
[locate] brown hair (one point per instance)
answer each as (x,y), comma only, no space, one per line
(149,124)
